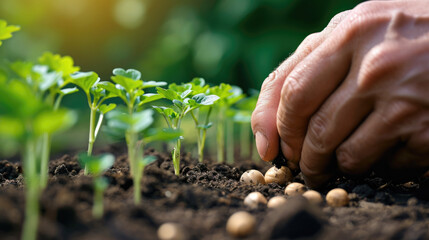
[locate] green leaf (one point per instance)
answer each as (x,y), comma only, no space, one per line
(111,88)
(67,91)
(11,127)
(168,112)
(147,160)
(149,84)
(85,80)
(205,100)
(142,120)
(47,79)
(96,165)
(104,108)
(127,83)
(63,65)
(168,93)
(149,97)
(53,121)
(6,30)
(165,134)
(22,69)
(129,73)
(186,93)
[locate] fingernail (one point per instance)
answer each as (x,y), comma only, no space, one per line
(261,144)
(287,151)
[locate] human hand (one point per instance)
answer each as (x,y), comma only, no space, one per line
(352,95)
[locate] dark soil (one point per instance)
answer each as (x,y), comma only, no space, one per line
(202,199)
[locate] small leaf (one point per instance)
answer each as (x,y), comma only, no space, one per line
(202,99)
(165,134)
(168,112)
(53,121)
(85,80)
(67,91)
(147,160)
(178,103)
(149,84)
(149,97)
(63,65)
(129,73)
(96,165)
(168,93)
(104,108)
(11,127)
(47,79)
(127,83)
(142,120)
(184,94)
(6,30)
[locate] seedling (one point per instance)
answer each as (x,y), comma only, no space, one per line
(6,30)
(47,80)
(252,177)
(90,84)
(241,224)
(337,197)
(97,165)
(130,89)
(295,188)
(228,95)
(199,88)
(276,202)
(254,199)
(25,119)
(183,103)
(280,176)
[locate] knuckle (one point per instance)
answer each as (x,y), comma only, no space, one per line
(346,162)
(397,113)
(379,61)
(361,17)
(269,82)
(316,135)
(292,93)
(337,19)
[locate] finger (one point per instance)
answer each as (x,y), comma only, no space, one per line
(381,131)
(333,122)
(264,115)
(307,87)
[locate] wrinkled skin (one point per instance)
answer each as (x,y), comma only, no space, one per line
(353,96)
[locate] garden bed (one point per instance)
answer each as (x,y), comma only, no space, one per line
(201,200)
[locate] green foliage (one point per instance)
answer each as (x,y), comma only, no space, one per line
(6,30)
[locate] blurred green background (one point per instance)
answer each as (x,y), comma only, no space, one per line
(234,41)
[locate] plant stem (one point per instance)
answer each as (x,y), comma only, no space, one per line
(221,136)
(176,158)
(44,168)
(139,172)
(32,192)
(97,208)
(131,139)
(244,140)
(230,141)
(91,130)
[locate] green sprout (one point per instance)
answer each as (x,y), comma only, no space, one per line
(132,120)
(228,96)
(6,30)
(97,165)
(95,93)
(198,114)
(47,80)
(24,119)
(183,103)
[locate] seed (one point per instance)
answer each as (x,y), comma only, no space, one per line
(171,231)
(280,176)
(313,197)
(241,224)
(252,177)
(276,201)
(294,189)
(337,197)
(254,199)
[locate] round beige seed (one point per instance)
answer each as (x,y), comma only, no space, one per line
(337,197)
(294,189)
(276,201)
(252,177)
(280,176)
(313,197)
(254,199)
(241,224)
(171,231)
